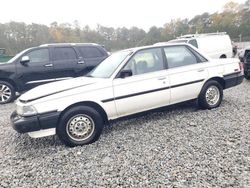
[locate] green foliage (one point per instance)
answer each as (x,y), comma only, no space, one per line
(234,19)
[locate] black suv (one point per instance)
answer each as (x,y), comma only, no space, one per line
(246,64)
(47,63)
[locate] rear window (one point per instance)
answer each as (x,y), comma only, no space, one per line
(91,52)
(247,52)
(64,53)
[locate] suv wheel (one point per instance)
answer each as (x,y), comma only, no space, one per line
(80,125)
(211,95)
(7,92)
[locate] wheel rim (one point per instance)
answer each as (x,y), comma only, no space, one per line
(5,93)
(80,127)
(212,95)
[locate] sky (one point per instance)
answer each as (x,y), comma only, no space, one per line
(109,13)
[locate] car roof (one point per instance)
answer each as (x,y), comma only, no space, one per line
(69,44)
(156,46)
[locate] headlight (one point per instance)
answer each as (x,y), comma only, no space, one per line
(26,110)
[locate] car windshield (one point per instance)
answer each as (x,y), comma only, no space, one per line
(17,56)
(109,65)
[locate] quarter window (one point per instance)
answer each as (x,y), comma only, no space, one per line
(178,56)
(65,53)
(193,42)
(90,52)
(146,61)
(36,56)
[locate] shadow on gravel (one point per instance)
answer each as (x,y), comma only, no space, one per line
(159,113)
(24,142)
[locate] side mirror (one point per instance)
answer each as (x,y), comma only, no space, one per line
(25,59)
(125,73)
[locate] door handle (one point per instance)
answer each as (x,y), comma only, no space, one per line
(49,65)
(201,70)
(81,62)
(162,78)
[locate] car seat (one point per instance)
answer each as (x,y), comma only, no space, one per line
(141,67)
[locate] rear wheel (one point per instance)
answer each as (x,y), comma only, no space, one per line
(80,125)
(7,92)
(211,95)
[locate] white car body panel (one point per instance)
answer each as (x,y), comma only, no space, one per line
(137,84)
(187,74)
(120,97)
(42,133)
(214,45)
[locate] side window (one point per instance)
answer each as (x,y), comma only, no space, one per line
(37,56)
(91,52)
(2,51)
(193,42)
(64,53)
(178,56)
(146,61)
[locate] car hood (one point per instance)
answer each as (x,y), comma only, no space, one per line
(56,87)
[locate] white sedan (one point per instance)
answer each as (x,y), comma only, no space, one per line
(127,82)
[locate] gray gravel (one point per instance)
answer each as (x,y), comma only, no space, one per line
(178,146)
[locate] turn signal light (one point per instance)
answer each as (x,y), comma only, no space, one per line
(241,66)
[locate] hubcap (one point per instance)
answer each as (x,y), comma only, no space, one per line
(5,93)
(80,127)
(212,95)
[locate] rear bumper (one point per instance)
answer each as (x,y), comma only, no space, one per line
(34,123)
(233,79)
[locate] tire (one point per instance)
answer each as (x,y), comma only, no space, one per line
(211,95)
(80,125)
(7,92)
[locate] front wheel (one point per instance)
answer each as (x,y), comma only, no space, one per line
(80,125)
(211,95)
(7,92)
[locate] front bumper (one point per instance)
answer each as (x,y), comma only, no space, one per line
(34,123)
(233,79)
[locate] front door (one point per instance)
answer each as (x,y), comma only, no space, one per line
(38,70)
(147,88)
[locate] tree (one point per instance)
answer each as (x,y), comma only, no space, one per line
(234,19)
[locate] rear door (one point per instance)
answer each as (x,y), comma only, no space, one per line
(92,56)
(187,72)
(65,61)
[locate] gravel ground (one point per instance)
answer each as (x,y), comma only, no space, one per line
(178,146)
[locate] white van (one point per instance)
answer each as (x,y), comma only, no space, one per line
(215,45)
